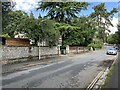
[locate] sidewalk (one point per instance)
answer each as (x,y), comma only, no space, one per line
(114,80)
(10,68)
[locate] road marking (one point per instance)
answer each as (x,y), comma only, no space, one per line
(91,85)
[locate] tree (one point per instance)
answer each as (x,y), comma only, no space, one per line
(15,19)
(86,28)
(49,32)
(6,8)
(40,17)
(32,28)
(62,11)
(42,30)
(31,15)
(80,32)
(118,34)
(101,14)
(113,38)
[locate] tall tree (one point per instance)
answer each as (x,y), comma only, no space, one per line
(80,32)
(6,8)
(103,18)
(62,11)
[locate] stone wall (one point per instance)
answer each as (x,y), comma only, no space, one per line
(24,52)
(48,51)
(18,52)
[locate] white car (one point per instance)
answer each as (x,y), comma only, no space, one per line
(112,51)
(116,47)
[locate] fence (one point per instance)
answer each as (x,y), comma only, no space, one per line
(78,49)
(15,42)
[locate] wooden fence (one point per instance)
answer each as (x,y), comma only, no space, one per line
(15,42)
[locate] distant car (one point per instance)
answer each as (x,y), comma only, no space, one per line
(112,51)
(116,47)
(105,43)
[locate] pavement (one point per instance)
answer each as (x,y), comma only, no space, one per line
(115,78)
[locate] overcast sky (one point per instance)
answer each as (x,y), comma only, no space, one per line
(31,5)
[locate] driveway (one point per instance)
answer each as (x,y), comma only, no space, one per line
(75,71)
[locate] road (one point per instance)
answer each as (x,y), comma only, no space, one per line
(74,72)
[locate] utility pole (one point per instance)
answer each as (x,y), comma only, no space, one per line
(59,44)
(39,49)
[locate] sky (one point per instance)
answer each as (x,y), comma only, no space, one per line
(31,5)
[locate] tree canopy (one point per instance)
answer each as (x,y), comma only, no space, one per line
(62,11)
(103,18)
(113,38)
(35,29)
(80,32)
(15,19)
(62,19)
(6,8)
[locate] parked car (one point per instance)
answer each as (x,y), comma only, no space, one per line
(112,51)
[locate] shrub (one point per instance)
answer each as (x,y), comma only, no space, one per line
(96,44)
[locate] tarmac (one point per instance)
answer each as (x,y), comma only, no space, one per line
(10,68)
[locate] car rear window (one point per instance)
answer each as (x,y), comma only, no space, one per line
(111,49)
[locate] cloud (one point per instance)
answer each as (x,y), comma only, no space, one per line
(114,22)
(26,5)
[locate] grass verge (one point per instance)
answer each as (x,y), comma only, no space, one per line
(108,77)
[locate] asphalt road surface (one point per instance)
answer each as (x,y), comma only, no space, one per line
(73,72)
